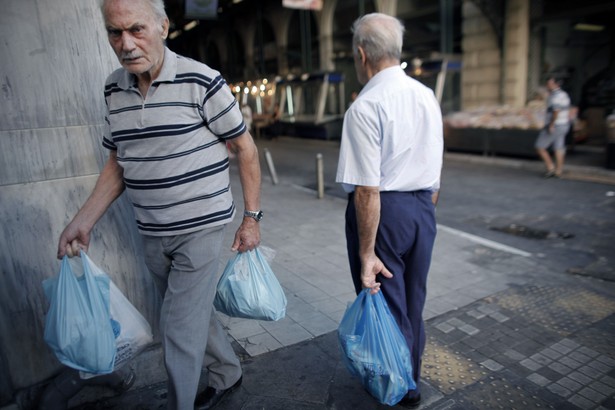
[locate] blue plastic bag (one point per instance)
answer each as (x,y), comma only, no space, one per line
(78,326)
(374,349)
(249,289)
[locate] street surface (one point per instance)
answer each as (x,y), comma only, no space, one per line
(568,223)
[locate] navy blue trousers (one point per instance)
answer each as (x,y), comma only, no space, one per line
(404,243)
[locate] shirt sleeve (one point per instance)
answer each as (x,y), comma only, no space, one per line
(360,150)
(107,141)
(221,111)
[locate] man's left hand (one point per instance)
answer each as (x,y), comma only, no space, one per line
(247,237)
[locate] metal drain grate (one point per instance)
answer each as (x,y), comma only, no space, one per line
(532,233)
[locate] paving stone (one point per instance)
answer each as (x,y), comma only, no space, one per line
(540,358)
(580,377)
(560,368)
(471,330)
(499,346)
(581,402)
(487,309)
(562,348)
(559,390)
(606,360)
(593,372)
(492,365)
(528,347)
(570,362)
(319,325)
(609,381)
(499,317)
(570,384)
(599,366)
(515,355)
(570,343)
(445,327)
(592,395)
(531,364)
(476,314)
(587,351)
(602,388)
(456,322)
(259,344)
(538,379)
(551,354)
(487,351)
(550,374)
(580,357)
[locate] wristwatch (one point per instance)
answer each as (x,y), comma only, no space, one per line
(257,215)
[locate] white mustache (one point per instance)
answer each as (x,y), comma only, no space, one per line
(128,56)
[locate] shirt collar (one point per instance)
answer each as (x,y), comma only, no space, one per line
(383,76)
(167,72)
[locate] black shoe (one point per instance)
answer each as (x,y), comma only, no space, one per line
(211,397)
(411,403)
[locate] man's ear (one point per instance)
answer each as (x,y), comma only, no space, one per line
(165,28)
(361,54)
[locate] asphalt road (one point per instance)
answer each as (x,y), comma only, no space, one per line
(569,224)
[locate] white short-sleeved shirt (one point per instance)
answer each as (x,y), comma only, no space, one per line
(558,101)
(392,136)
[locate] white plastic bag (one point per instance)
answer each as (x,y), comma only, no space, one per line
(132,331)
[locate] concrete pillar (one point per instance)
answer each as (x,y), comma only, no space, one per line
(480,75)
(325,35)
(55,58)
(516,46)
(280,20)
(388,7)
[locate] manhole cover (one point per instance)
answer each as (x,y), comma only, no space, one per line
(532,233)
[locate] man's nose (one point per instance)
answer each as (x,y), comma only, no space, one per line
(128,43)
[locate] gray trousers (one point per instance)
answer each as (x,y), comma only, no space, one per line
(185,270)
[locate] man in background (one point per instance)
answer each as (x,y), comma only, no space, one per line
(557,125)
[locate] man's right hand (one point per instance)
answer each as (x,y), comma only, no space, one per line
(72,241)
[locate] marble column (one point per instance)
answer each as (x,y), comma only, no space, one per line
(55,58)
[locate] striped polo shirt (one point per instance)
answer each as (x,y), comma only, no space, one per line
(171,145)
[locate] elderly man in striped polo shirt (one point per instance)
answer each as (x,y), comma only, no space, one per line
(168,121)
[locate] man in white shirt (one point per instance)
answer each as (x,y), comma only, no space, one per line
(557,125)
(390,163)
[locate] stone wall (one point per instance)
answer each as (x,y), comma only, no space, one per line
(481,69)
(55,58)
(516,58)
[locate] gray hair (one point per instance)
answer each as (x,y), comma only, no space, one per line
(157,7)
(379,35)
